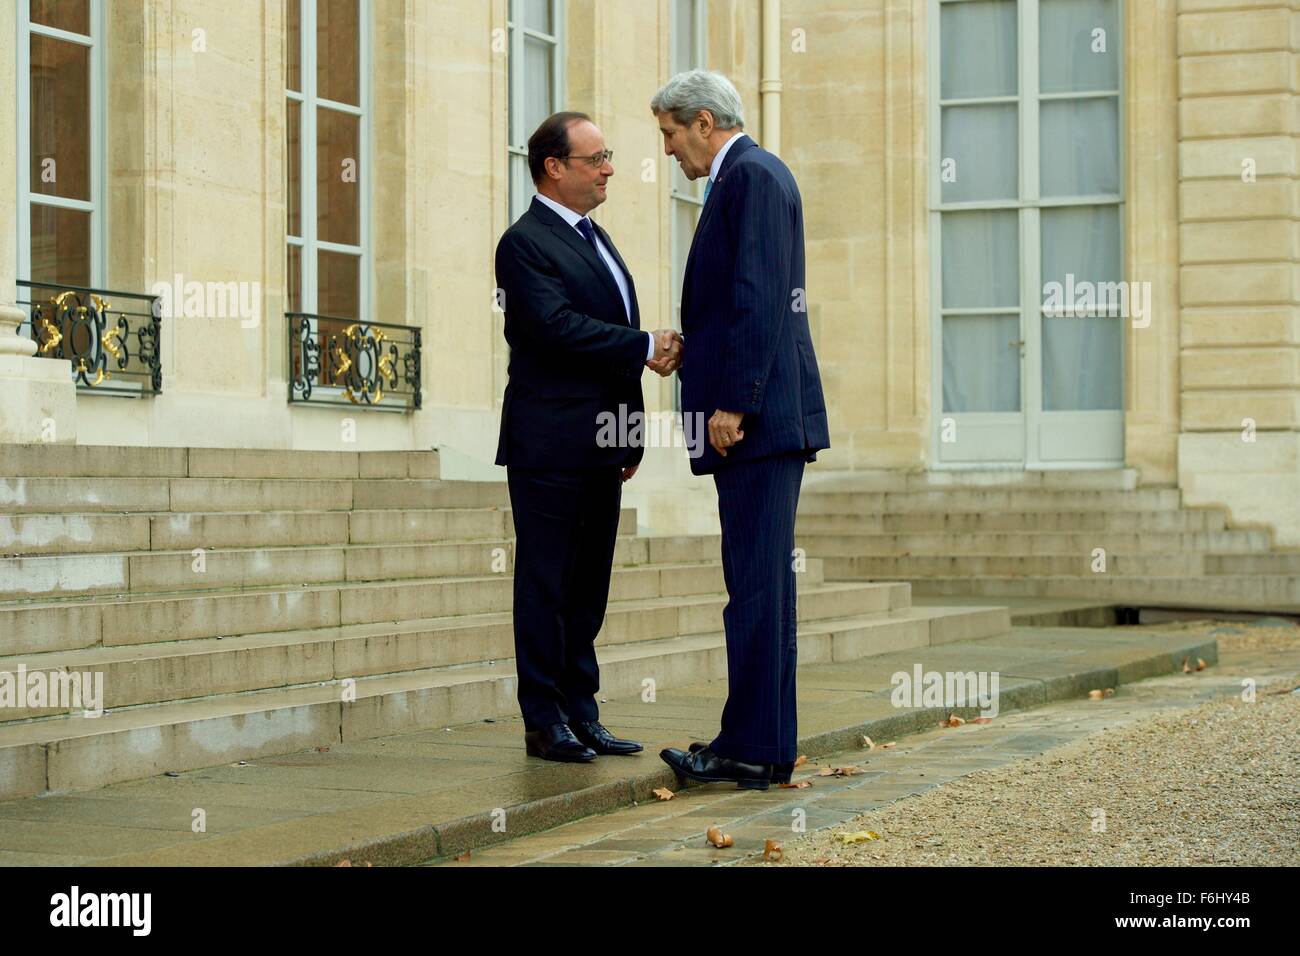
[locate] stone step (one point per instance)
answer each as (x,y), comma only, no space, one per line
(43,534)
(1029,542)
(127,495)
(49,625)
(76,752)
(916,567)
(969,522)
(117,461)
(1274,593)
(1278,562)
(79,575)
(1101,479)
(989,499)
(178,670)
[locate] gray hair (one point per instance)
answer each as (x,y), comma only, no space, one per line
(687,93)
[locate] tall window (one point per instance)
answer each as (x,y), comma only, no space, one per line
(1029,188)
(536,80)
(688,42)
(60,141)
(327,82)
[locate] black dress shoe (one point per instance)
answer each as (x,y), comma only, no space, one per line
(556,742)
(781,772)
(599,739)
(705,766)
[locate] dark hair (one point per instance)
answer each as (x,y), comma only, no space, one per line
(550,139)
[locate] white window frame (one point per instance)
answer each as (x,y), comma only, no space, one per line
(520,189)
(1029,205)
(308,244)
(98,85)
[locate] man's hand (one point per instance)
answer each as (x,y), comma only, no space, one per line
(629,472)
(668,352)
(724,430)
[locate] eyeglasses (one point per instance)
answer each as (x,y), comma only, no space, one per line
(595,160)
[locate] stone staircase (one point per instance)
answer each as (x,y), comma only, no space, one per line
(245,603)
(1033,534)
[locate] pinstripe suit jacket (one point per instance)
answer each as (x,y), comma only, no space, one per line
(744,313)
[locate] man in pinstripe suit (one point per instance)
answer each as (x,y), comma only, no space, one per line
(751,371)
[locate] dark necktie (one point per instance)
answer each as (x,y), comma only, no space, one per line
(589,233)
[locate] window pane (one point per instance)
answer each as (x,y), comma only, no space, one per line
(60,120)
(293,45)
(1083,363)
(1083,242)
(536,14)
(981,363)
(338,287)
(337,45)
(60,245)
(983,143)
(1079,147)
(70,15)
(1077,46)
(683,36)
(978,43)
(293,280)
(338,294)
(338,207)
(981,259)
(684,218)
(293,166)
(537,83)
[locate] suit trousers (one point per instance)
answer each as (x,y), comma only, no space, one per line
(757,500)
(566,525)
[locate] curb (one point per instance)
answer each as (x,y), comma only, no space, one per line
(442,841)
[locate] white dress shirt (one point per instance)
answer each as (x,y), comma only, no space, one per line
(722,154)
(573,218)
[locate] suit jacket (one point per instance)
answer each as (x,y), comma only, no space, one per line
(573,354)
(744,314)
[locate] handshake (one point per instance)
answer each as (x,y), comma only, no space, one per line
(668,352)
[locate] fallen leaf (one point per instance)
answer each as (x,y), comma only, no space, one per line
(796,785)
(822,860)
(800,760)
(343,863)
(663,793)
(1200,664)
(463,857)
(838,771)
(866,742)
(717,837)
(1186,668)
(772,851)
(1095,695)
(982,720)
(322,750)
(862,836)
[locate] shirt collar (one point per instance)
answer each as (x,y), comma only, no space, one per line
(722,153)
(564,212)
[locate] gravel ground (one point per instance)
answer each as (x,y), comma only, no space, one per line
(1219,784)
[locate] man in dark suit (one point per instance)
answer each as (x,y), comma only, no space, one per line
(752,374)
(576,356)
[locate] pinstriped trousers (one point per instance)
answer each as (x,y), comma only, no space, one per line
(757,500)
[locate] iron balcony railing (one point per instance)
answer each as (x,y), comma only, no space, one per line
(335,361)
(91,329)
